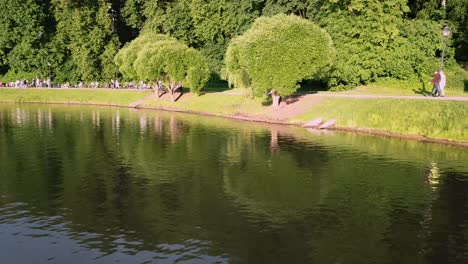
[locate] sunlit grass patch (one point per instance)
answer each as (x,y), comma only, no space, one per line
(212,103)
(431,118)
(111,97)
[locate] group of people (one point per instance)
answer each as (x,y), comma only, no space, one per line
(438,81)
(36,83)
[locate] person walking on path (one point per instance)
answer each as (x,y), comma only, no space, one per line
(442,84)
(435,81)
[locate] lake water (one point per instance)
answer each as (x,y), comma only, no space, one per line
(115,185)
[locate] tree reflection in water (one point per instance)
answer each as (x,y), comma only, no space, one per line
(247,192)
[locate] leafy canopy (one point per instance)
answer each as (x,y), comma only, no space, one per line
(374,40)
(22,34)
(278,52)
(153,57)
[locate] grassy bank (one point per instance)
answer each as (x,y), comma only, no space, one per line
(434,119)
(221,104)
(431,118)
(110,97)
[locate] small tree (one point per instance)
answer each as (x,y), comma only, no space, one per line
(276,53)
(161,58)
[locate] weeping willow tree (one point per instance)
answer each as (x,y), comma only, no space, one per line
(276,53)
(163,59)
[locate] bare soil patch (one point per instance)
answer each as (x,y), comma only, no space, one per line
(291,107)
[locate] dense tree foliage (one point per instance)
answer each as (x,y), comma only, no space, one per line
(276,53)
(455,13)
(85,38)
(23,33)
(374,39)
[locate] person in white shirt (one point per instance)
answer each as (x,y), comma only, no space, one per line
(442,84)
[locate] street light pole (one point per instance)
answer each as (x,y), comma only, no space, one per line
(114,16)
(445,33)
(39,56)
(48,80)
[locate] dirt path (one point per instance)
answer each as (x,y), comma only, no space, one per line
(291,107)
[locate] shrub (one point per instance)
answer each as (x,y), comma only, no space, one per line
(457,79)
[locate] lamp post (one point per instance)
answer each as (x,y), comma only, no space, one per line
(39,55)
(113,14)
(48,80)
(445,33)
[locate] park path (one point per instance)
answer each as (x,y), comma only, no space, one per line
(363,96)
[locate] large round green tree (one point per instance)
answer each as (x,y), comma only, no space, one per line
(160,58)
(276,53)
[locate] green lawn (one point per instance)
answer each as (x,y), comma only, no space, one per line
(91,96)
(212,103)
(431,118)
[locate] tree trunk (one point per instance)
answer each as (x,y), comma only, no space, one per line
(443,4)
(173,87)
(172,94)
(158,88)
(276,98)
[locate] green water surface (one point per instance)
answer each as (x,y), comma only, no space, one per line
(115,185)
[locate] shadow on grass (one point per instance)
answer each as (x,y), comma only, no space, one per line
(179,92)
(215,84)
(422,90)
(268,101)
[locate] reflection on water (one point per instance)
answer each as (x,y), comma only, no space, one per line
(55,239)
(433,175)
(106,185)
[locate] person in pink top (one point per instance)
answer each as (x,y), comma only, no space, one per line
(435,81)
